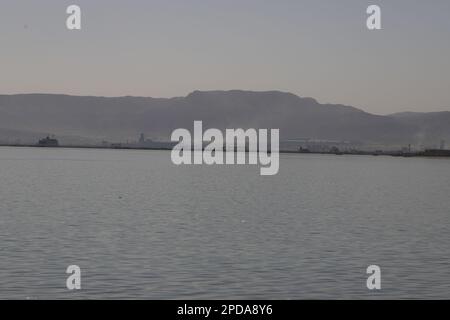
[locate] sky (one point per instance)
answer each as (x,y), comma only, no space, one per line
(166,48)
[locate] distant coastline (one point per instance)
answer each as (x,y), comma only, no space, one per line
(430,153)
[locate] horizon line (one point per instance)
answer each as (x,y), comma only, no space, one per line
(445,109)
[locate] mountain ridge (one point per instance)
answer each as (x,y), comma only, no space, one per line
(122,118)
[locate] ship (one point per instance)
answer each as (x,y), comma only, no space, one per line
(48,142)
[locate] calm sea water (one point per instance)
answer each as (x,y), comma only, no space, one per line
(140,227)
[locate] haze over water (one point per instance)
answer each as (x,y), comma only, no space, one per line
(140,227)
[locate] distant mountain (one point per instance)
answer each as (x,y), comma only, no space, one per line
(122,118)
(431,127)
(18,137)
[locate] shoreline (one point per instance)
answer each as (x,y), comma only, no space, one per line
(424,154)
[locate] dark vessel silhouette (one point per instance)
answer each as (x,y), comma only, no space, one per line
(48,142)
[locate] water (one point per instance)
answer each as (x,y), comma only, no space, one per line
(141,228)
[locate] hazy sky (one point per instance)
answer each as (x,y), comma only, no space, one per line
(165,48)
